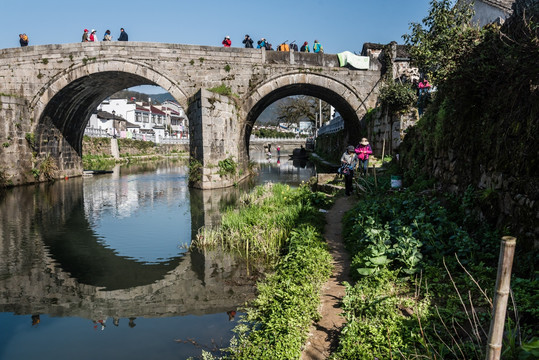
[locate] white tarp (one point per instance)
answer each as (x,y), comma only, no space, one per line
(356,61)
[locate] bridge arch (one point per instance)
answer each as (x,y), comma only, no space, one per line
(64,105)
(346,99)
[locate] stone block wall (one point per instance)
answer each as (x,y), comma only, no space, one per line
(16,158)
(216,135)
(391,128)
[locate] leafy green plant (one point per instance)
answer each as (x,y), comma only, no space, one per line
(195,171)
(31,139)
(48,167)
(227,166)
(221,90)
(396,97)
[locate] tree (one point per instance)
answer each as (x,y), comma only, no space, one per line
(294,109)
(444,36)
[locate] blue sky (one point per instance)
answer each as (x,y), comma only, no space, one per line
(338,25)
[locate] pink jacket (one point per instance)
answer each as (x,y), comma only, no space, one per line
(363,151)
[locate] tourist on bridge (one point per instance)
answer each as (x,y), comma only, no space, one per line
(304,47)
(23,40)
(248,42)
(107,36)
(85,36)
(348,164)
(93,36)
(317,47)
(123,35)
(261,43)
(363,150)
(227,42)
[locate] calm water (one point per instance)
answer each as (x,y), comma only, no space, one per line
(97,267)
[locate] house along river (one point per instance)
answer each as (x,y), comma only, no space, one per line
(98,267)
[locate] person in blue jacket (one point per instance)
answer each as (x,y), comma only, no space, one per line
(261,43)
(317,47)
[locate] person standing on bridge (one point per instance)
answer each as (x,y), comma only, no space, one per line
(107,36)
(123,35)
(304,47)
(85,35)
(248,42)
(23,40)
(93,36)
(227,42)
(317,47)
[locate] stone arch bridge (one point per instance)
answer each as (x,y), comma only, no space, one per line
(47,94)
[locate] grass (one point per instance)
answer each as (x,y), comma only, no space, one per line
(281,226)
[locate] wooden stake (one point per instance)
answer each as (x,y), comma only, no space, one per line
(374,172)
(503,282)
(383,149)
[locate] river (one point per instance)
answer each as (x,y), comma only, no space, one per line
(98,267)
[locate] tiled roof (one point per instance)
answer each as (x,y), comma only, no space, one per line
(156,111)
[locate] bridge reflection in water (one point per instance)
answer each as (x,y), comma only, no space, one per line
(114,247)
(55,260)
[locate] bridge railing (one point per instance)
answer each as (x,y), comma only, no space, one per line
(257,140)
(93,132)
(333,126)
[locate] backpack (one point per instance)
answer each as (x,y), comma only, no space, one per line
(24,37)
(268,46)
(283,47)
(294,47)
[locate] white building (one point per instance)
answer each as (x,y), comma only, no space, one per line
(126,118)
(488,11)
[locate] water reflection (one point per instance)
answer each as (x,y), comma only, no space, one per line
(108,254)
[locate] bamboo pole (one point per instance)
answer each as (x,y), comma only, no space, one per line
(503,282)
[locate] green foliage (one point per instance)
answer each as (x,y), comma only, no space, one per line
(392,237)
(98,162)
(195,171)
(48,168)
(5,144)
(276,323)
(31,139)
(142,146)
(227,68)
(227,167)
(396,97)
(485,105)
(443,39)
(221,90)
(45,61)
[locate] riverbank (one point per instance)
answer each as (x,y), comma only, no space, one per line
(97,153)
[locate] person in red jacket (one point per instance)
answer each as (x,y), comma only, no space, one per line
(227,42)
(363,150)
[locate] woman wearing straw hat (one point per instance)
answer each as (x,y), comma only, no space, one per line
(363,150)
(349,163)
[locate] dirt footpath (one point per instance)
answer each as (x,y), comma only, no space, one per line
(323,336)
